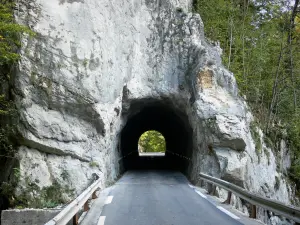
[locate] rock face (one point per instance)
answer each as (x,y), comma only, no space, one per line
(91,59)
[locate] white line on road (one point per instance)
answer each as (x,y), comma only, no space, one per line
(82,217)
(101,220)
(199,193)
(228,213)
(191,186)
(109,199)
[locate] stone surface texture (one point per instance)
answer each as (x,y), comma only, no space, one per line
(91,58)
(27,216)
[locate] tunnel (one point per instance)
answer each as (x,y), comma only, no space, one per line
(171,123)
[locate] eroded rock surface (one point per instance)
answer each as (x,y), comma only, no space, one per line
(92,59)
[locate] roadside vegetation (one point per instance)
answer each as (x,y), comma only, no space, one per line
(261,46)
(10,33)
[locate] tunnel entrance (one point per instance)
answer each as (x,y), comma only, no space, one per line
(164,118)
(152,143)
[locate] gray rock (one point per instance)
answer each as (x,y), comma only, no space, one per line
(27,216)
(91,60)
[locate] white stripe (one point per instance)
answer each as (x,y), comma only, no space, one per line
(191,186)
(101,220)
(199,193)
(82,217)
(228,213)
(109,199)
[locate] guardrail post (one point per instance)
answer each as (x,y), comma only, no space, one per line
(86,206)
(211,189)
(75,219)
(253,212)
(227,201)
(201,183)
(94,196)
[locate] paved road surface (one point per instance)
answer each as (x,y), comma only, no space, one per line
(159,198)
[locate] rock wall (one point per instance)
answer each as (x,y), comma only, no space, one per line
(90,59)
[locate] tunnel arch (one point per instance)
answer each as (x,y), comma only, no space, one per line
(163,117)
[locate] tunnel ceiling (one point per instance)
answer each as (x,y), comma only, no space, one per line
(167,120)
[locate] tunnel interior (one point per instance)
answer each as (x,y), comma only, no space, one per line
(171,123)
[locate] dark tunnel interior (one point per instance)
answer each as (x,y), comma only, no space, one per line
(171,123)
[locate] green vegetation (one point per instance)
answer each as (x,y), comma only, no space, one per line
(277,183)
(46,197)
(9,44)
(32,196)
(257,139)
(267,153)
(10,33)
(65,175)
(93,164)
(85,62)
(261,46)
(152,141)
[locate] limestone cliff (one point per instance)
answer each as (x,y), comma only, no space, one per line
(91,59)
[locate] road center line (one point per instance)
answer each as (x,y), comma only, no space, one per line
(109,199)
(101,220)
(228,213)
(199,193)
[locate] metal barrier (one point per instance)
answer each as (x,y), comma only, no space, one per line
(71,210)
(290,212)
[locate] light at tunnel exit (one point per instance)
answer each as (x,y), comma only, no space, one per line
(152,143)
(170,122)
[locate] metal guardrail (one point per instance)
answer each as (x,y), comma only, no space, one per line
(290,212)
(71,210)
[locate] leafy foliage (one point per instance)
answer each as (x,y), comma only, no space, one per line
(10,33)
(261,46)
(9,44)
(152,141)
(46,197)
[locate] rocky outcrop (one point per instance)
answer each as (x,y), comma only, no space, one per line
(92,59)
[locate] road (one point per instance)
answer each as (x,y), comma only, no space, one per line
(159,198)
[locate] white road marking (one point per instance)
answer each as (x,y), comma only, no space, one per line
(199,193)
(228,213)
(191,186)
(109,199)
(82,217)
(101,220)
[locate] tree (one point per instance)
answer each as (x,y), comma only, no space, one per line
(152,141)
(10,33)
(261,46)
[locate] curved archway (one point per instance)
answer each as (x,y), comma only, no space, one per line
(164,118)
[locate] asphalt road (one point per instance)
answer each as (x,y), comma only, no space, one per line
(159,198)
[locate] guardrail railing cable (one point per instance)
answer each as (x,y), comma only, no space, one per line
(123,157)
(287,211)
(179,155)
